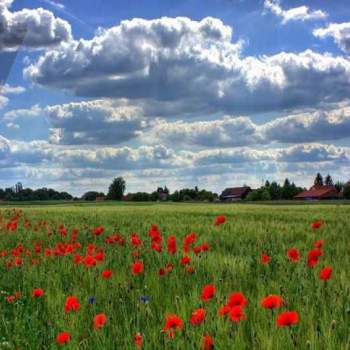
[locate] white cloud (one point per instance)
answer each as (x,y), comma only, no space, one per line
(8,90)
(230,131)
(95,122)
(340,32)
(191,66)
(55,4)
(32,28)
(301,13)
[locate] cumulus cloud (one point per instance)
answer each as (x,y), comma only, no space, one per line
(230,131)
(95,122)
(8,90)
(193,65)
(301,13)
(340,32)
(315,153)
(32,28)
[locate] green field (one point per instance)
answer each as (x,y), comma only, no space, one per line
(231,264)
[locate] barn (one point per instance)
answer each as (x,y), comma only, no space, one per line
(318,193)
(233,194)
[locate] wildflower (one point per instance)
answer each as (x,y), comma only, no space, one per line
(319,244)
(326,273)
(98,230)
(189,269)
(38,292)
(188,240)
(224,310)
(207,343)
(316,224)
(293,254)
(138,340)
(237,299)
(313,256)
(237,314)
(144,298)
(265,259)
(172,323)
(72,304)
(287,318)
(107,273)
(198,316)
(272,302)
(91,300)
(100,320)
(63,338)
(185,260)
(220,219)
(137,267)
(172,247)
(208,292)
(135,240)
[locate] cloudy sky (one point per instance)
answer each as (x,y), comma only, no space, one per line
(180,93)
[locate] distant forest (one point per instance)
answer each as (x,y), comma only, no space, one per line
(268,191)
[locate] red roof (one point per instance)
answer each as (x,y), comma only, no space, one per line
(318,192)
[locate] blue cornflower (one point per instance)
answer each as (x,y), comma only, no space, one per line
(91,300)
(145,298)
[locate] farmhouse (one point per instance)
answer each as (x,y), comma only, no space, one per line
(318,193)
(235,193)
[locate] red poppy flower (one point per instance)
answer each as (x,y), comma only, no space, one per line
(313,257)
(224,310)
(185,260)
(100,320)
(72,304)
(237,299)
(189,269)
(98,230)
(287,318)
(135,240)
(326,273)
(138,340)
(172,323)
(188,240)
(208,292)
(198,316)
(107,273)
(272,302)
(172,245)
(157,247)
(10,299)
(265,259)
(207,343)
(137,267)
(293,254)
(237,314)
(319,244)
(38,292)
(220,219)
(63,338)
(317,224)
(162,272)
(89,261)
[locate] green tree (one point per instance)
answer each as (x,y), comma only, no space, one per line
(328,181)
(318,180)
(116,189)
(346,192)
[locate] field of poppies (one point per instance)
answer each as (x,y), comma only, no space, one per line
(175,276)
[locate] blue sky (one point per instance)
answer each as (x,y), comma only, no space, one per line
(179,93)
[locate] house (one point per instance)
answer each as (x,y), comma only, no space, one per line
(317,192)
(100,198)
(233,194)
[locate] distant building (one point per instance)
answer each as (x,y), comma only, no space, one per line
(234,194)
(318,193)
(100,198)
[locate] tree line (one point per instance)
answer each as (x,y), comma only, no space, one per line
(27,194)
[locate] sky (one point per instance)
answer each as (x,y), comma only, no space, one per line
(207,93)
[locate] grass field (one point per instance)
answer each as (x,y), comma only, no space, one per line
(139,303)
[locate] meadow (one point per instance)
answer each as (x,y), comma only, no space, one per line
(106,256)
